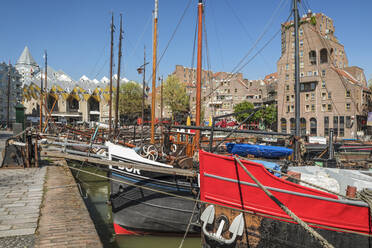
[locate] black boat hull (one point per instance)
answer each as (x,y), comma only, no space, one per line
(139,210)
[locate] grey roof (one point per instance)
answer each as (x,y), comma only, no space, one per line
(26,58)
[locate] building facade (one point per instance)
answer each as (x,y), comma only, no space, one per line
(67,101)
(10,81)
(332,94)
(221,91)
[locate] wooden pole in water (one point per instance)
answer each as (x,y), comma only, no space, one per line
(154,65)
(118,79)
(111,55)
(199,72)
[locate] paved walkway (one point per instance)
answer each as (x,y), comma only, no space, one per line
(64,221)
(21,191)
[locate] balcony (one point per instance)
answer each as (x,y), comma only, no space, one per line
(308,79)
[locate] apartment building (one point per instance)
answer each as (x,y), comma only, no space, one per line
(10,80)
(221,91)
(333,94)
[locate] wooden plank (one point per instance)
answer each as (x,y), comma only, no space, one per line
(172,171)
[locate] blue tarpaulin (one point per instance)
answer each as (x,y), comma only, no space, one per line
(262,151)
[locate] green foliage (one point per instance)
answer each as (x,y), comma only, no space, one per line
(175,96)
(313,20)
(130,100)
(270,115)
(243,106)
(267,115)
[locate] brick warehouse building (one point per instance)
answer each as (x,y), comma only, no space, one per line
(333,95)
(221,91)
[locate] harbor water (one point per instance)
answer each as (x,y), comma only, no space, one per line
(95,192)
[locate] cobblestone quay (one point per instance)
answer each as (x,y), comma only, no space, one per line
(64,219)
(21,192)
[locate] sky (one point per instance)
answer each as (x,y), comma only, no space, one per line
(76,34)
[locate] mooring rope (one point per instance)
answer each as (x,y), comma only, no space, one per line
(205,202)
(190,221)
(310,230)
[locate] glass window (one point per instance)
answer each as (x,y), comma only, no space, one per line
(324,107)
(312,96)
(348,93)
(329,107)
(326,125)
(313,126)
(293,125)
(312,107)
(323,84)
(347,106)
(302,126)
(335,125)
(323,73)
(283,125)
(342,126)
(324,96)
(329,95)
(307,96)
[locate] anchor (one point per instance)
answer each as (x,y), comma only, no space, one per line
(236,227)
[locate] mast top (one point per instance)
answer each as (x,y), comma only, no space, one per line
(156,10)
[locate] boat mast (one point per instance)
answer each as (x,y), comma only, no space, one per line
(118,79)
(41,100)
(154,73)
(111,55)
(143,90)
(46,82)
(297,83)
(199,72)
(8,110)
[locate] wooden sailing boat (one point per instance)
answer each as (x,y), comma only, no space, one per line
(250,207)
(142,208)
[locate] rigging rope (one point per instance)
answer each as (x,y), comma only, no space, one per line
(303,224)
(204,202)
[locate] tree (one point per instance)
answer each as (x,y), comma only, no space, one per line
(266,115)
(243,106)
(175,96)
(130,100)
(270,116)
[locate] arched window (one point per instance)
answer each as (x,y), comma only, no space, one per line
(93,104)
(312,57)
(303,126)
(283,125)
(72,104)
(293,126)
(323,56)
(313,126)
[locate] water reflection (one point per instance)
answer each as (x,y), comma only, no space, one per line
(96,193)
